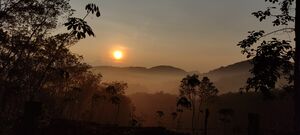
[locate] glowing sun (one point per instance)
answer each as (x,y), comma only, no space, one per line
(118,54)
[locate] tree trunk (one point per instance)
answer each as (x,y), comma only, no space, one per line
(297,75)
(253,124)
(92,115)
(193,116)
(206,121)
(199,111)
(4,99)
(32,112)
(116,118)
(178,121)
(100,113)
(224,128)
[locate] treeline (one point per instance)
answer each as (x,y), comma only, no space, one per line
(228,113)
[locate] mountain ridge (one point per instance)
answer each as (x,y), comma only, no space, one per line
(167,78)
(159,68)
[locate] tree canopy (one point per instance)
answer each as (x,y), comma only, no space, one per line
(272,57)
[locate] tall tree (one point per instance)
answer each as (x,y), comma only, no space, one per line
(174,116)
(205,91)
(160,115)
(275,57)
(182,103)
(33,58)
(115,91)
(226,115)
(297,73)
(188,87)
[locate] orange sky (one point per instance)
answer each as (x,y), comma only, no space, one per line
(190,34)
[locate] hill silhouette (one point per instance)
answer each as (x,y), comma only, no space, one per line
(141,79)
(167,78)
(157,69)
(230,78)
(238,67)
(167,69)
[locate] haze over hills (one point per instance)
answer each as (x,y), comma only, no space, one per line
(230,78)
(164,69)
(167,78)
(156,88)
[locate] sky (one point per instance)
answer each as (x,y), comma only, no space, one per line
(195,35)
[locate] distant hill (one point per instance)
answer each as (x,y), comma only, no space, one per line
(235,68)
(167,69)
(230,78)
(157,69)
(141,79)
(167,78)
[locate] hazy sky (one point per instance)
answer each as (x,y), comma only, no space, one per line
(190,34)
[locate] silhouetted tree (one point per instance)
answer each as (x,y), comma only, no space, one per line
(206,113)
(275,57)
(28,50)
(159,115)
(72,98)
(32,57)
(101,103)
(182,103)
(115,91)
(174,116)
(135,121)
(188,87)
(94,100)
(205,91)
(67,97)
(179,111)
(194,91)
(116,101)
(226,115)
(297,74)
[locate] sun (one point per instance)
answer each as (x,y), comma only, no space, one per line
(118,54)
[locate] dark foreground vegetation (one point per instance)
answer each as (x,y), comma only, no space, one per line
(69,127)
(46,89)
(228,113)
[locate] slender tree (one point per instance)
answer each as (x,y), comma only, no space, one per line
(226,115)
(205,91)
(116,90)
(206,113)
(94,101)
(160,115)
(182,103)
(297,73)
(116,101)
(174,116)
(188,88)
(178,123)
(101,103)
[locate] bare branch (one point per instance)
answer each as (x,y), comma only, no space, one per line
(279,30)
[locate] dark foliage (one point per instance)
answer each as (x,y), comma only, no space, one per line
(273,58)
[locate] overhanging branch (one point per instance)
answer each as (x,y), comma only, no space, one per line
(279,30)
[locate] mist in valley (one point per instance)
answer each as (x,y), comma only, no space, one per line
(66,67)
(228,78)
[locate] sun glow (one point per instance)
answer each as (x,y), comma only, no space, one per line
(118,55)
